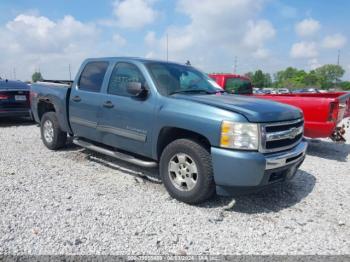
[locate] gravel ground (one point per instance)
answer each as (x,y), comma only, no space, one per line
(72,202)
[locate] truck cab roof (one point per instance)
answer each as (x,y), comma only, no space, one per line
(127,58)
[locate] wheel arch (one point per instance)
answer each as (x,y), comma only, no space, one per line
(44,106)
(169,134)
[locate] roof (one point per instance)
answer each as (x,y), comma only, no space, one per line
(11,84)
(138,59)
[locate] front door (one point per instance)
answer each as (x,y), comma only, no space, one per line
(85,100)
(126,121)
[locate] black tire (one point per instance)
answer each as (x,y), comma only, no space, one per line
(59,138)
(205,186)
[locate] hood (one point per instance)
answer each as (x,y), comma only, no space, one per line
(254,109)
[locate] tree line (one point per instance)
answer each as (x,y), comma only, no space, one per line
(324,77)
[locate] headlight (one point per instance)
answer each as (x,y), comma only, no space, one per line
(243,136)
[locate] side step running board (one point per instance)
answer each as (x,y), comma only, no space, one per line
(118,155)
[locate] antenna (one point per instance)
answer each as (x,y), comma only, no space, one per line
(14,73)
(167,47)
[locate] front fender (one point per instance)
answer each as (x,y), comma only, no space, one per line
(198,118)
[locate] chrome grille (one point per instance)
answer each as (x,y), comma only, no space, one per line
(281,136)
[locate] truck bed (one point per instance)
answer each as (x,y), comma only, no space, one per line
(316,108)
(55,92)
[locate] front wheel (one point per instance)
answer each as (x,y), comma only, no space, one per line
(51,133)
(186,171)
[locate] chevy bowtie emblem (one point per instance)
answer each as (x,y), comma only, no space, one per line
(293,132)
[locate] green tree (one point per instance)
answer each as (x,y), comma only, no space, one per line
(329,74)
(258,79)
(290,77)
(345,85)
(311,79)
(268,80)
(283,77)
(37,77)
(249,75)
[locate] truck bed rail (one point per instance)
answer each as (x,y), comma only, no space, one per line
(63,82)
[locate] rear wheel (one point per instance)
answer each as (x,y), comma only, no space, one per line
(51,133)
(186,171)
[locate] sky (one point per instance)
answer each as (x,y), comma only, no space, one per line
(54,37)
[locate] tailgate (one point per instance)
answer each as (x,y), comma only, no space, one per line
(344,106)
(14,99)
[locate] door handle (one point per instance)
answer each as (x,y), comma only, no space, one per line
(108,104)
(76,99)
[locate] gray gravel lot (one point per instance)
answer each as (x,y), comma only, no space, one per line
(72,202)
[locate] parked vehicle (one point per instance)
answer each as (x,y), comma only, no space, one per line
(234,84)
(322,111)
(268,90)
(150,112)
(259,91)
(14,99)
(307,90)
(283,91)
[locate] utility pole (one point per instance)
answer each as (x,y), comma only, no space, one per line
(167,47)
(14,73)
(70,73)
(235,66)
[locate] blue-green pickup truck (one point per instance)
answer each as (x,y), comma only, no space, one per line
(152,113)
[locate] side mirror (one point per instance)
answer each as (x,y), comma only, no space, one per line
(136,89)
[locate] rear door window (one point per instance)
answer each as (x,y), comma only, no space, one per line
(91,78)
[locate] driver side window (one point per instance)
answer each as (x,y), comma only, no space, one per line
(124,73)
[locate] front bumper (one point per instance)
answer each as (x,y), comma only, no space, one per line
(237,171)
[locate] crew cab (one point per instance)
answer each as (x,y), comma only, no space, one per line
(154,113)
(322,111)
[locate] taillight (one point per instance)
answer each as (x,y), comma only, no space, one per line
(333,112)
(4,97)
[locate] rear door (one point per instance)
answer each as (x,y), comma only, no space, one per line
(125,121)
(86,98)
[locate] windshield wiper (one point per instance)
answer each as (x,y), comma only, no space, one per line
(192,91)
(198,91)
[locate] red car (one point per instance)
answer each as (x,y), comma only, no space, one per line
(322,111)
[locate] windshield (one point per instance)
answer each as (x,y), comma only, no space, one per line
(174,78)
